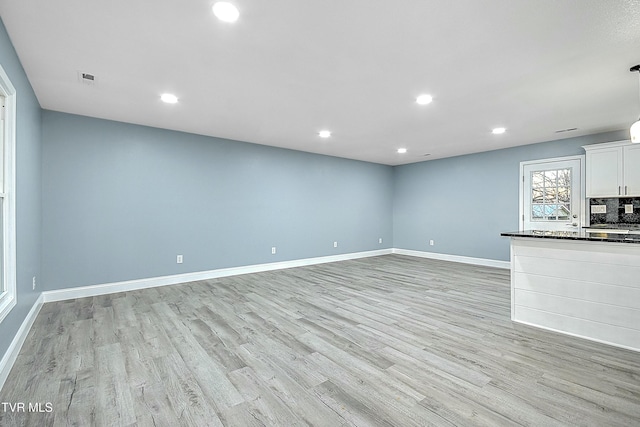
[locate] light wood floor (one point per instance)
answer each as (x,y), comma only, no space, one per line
(384,341)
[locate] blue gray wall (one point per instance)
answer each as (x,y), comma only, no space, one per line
(134,197)
(463,203)
(28,185)
(120,201)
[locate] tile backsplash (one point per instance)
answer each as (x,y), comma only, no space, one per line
(614,210)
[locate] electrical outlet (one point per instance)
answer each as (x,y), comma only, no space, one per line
(335,244)
(34,282)
(380,240)
(431,243)
(273,250)
(179,259)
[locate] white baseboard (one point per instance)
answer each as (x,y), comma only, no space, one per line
(454,258)
(131,285)
(11,354)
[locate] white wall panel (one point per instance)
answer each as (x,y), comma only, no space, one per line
(583,290)
(597,312)
(587,251)
(580,270)
(588,289)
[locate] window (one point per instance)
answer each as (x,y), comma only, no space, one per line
(551,195)
(7,196)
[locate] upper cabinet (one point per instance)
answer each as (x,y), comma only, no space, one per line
(632,169)
(613,169)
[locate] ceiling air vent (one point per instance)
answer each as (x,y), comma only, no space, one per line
(566,130)
(87,78)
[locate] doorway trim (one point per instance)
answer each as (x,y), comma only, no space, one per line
(583,193)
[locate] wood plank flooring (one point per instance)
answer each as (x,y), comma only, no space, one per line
(383,341)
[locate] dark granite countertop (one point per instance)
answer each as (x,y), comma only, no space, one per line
(576,235)
(615,226)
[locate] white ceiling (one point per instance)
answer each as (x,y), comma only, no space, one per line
(289,68)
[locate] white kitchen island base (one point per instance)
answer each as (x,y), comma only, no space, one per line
(589,289)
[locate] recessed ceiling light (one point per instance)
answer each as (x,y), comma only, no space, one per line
(402,150)
(225,11)
(169,98)
(324,133)
(424,99)
(498,131)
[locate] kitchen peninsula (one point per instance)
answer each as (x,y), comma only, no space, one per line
(581,283)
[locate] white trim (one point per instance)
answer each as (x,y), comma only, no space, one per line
(583,190)
(558,331)
(454,258)
(611,144)
(12,352)
(8,295)
(131,285)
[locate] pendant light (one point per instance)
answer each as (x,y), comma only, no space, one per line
(635,128)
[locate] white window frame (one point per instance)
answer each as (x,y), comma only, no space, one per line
(522,193)
(8,294)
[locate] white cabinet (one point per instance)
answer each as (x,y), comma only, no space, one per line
(631,156)
(604,173)
(613,169)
